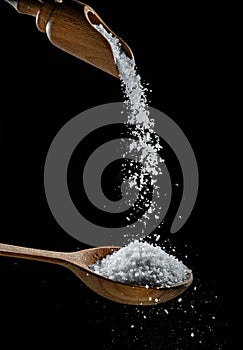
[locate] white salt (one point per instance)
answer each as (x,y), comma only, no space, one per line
(144,145)
(136,102)
(141,263)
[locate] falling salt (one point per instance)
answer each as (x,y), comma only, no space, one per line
(144,144)
(141,263)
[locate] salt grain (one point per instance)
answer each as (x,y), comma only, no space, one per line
(141,263)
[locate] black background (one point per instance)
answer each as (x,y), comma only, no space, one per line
(190,56)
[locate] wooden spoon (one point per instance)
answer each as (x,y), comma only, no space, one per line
(70,26)
(78,262)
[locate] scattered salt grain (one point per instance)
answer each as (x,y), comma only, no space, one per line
(141,263)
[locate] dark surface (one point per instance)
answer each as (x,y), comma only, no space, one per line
(190,56)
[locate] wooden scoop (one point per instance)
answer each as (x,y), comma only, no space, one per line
(78,262)
(70,27)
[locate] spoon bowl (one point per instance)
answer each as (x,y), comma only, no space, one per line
(78,262)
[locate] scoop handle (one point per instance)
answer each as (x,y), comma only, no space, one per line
(28,7)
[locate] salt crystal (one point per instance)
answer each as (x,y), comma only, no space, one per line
(141,263)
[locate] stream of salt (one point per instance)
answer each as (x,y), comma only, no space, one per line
(144,143)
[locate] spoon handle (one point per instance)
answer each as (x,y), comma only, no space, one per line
(32,254)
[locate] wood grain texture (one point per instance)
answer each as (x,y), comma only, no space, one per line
(70,27)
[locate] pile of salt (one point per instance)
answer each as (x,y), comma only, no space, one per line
(141,263)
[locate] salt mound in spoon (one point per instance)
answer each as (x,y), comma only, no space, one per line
(141,263)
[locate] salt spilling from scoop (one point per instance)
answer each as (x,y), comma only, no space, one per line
(147,143)
(144,143)
(141,263)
